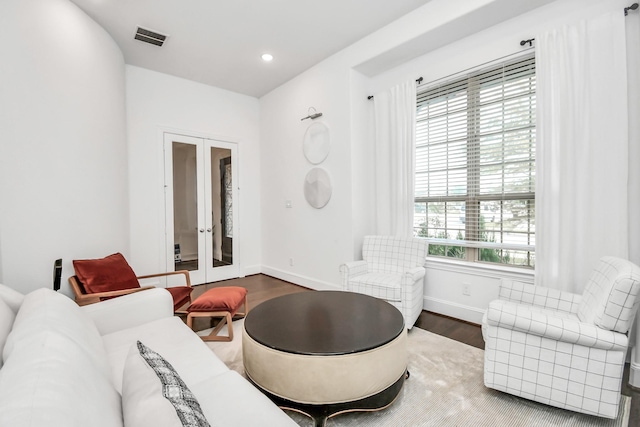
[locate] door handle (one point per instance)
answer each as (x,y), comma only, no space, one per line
(202,230)
(208,230)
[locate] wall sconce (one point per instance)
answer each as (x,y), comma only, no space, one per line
(312,114)
(632,7)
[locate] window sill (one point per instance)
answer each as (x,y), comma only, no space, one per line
(480,269)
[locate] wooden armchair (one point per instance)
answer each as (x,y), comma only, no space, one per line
(100,279)
(83,298)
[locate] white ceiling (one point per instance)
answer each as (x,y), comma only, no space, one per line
(219,42)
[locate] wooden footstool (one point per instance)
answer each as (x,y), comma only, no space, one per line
(221,302)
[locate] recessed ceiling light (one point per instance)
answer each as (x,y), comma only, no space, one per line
(267,57)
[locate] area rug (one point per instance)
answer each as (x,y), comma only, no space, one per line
(445,389)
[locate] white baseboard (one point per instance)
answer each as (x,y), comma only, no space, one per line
(307,282)
(455,310)
(251,270)
(634,372)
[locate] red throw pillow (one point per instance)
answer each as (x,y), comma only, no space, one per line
(111,273)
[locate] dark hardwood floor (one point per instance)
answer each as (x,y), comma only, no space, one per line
(459,330)
(262,288)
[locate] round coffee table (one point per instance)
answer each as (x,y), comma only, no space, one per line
(324,353)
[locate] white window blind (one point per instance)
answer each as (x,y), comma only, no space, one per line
(475,165)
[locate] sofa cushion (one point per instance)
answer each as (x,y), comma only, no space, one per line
(171,338)
(45,310)
(380,285)
(611,298)
(230,400)
(6,322)
(111,273)
(154,395)
(52,381)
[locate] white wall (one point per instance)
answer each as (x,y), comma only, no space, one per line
(318,240)
(465,36)
(493,43)
(363,157)
(63,156)
(158,101)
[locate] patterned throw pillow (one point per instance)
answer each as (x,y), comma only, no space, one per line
(174,389)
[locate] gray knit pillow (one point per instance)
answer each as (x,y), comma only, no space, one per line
(174,389)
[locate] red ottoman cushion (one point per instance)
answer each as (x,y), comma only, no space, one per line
(226,298)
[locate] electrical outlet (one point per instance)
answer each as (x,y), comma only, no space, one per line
(291,262)
(465,289)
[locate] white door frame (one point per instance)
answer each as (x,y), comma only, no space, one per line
(206,272)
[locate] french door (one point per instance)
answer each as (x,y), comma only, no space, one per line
(201,216)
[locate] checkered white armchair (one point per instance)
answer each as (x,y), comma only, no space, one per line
(563,349)
(392,269)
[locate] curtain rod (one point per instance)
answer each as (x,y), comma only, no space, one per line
(418,81)
(530,41)
(479,66)
(524,42)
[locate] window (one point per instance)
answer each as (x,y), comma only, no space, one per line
(475,166)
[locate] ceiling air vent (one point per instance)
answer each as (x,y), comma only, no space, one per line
(151,37)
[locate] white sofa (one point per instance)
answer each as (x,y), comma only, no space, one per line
(63,365)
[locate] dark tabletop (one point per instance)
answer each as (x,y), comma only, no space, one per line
(324,323)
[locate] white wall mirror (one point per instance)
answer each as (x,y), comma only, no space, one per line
(316,143)
(317,188)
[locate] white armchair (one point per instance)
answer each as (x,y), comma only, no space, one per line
(392,269)
(563,349)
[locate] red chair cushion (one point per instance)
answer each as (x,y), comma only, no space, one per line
(111,273)
(226,298)
(181,295)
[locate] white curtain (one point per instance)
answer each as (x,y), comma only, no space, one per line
(582,188)
(633,72)
(395,118)
(633,93)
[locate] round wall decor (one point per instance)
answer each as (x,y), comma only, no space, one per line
(317,188)
(316,143)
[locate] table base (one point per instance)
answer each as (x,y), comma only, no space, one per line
(320,413)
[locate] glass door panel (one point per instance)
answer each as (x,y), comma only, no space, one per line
(227,210)
(222,192)
(185,206)
(221,207)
